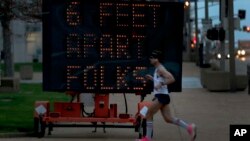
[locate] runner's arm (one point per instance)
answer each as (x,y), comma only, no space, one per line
(169,78)
(149,77)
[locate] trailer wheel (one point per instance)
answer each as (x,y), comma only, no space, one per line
(39,127)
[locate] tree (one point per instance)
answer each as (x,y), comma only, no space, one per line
(27,10)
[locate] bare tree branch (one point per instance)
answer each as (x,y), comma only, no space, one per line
(27,10)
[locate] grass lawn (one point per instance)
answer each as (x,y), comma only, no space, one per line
(16,109)
(37,67)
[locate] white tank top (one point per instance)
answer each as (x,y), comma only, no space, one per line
(157,80)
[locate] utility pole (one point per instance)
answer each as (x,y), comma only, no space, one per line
(196,32)
(222,47)
(231,44)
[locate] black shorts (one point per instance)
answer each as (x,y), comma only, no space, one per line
(163,98)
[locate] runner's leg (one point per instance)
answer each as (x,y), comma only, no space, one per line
(166,113)
(154,107)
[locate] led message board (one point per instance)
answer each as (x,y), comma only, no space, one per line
(102,46)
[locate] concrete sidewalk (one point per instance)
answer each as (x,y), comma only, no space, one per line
(212,112)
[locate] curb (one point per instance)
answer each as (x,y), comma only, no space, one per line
(14,135)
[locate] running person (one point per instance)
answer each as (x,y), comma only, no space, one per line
(162,78)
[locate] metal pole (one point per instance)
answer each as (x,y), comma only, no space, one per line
(196,32)
(222,47)
(248,75)
(206,10)
(207,43)
(231,44)
(189,33)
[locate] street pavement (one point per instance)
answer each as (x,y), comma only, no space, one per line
(212,112)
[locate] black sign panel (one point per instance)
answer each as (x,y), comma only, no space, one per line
(103,46)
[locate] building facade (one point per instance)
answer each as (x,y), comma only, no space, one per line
(26,41)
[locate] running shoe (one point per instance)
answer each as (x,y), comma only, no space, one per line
(143,139)
(192,130)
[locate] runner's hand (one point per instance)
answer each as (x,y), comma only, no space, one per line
(149,77)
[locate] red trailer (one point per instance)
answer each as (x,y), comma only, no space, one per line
(103,116)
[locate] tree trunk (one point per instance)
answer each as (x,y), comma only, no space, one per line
(7,49)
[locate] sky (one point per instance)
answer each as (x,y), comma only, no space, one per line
(238,4)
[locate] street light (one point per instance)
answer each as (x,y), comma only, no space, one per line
(186,4)
(243,52)
(246,28)
(218,56)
